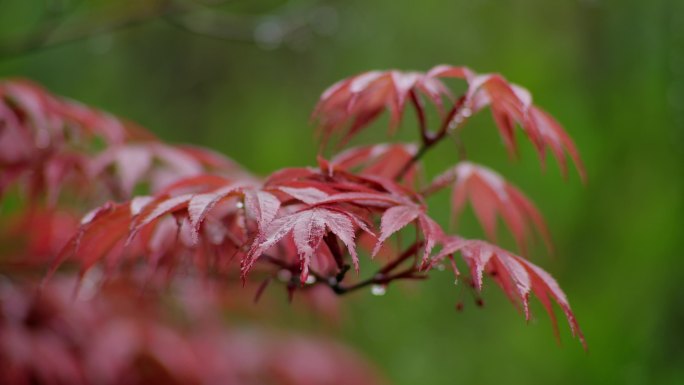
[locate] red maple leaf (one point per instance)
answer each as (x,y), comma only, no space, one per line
(516,276)
(490,195)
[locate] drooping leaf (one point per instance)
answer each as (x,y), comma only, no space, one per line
(357,101)
(512,104)
(491,196)
(398,217)
(383,160)
(48,142)
(158,165)
(262,205)
(351,105)
(517,277)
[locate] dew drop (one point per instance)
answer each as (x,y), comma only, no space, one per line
(455,123)
(441,267)
(466,112)
(240,205)
(378,290)
(310,280)
(455,281)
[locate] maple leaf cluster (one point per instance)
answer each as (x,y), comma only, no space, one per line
(48,143)
(164,212)
(348,107)
(52,338)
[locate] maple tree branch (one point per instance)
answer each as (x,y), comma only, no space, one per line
(382,276)
(449,124)
(379,279)
(420,112)
(293,268)
(402,257)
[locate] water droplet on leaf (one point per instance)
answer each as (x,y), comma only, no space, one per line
(378,290)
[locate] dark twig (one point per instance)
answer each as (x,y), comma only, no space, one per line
(382,277)
(401,258)
(379,279)
(449,123)
(420,112)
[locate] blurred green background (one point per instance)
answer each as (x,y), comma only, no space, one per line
(242,76)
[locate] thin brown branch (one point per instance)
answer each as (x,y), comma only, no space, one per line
(449,123)
(402,257)
(382,276)
(420,113)
(380,279)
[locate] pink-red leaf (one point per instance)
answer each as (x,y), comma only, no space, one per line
(490,195)
(357,101)
(308,227)
(516,276)
(397,217)
(262,206)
